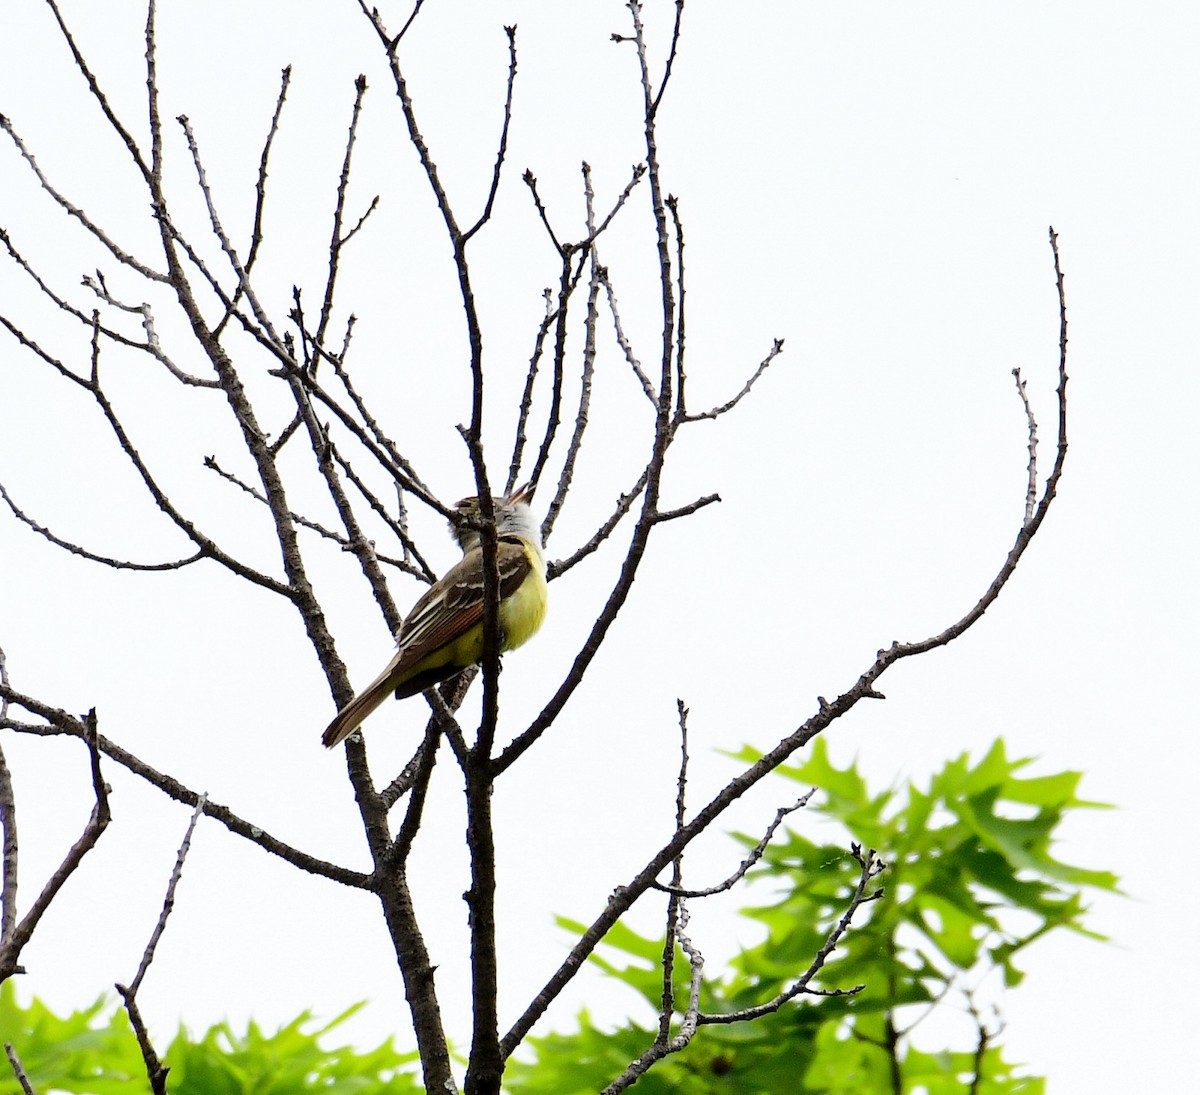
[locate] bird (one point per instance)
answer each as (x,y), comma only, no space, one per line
(443,633)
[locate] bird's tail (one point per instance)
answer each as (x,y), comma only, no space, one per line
(350,717)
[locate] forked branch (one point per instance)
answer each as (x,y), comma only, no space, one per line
(826,715)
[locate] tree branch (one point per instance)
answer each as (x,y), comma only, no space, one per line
(59,722)
(14,941)
(155,1071)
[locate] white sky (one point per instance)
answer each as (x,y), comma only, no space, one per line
(872,183)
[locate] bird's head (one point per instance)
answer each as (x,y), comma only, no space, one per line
(513,517)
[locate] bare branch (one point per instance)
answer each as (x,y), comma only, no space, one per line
(408,23)
(372,438)
(210,462)
(870,866)
(625,502)
(588,371)
(568,281)
(260,187)
(530,180)
(420,569)
(411,773)
(155,1071)
(97,285)
(828,713)
(636,175)
(94,229)
(623,342)
(76,549)
(260,190)
(14,941)
(168,900)
(664,1046)
(676,908)
(8,824)
(19,1070)
(750,860)
(686,511)
(244,285)
(983,1040)
(60,722)
(677,921)
(415,777)
(672,204)
(152,345)
(358,224)
(336,240)
(1031,493)
(662,87)
(208,548)
(32,345)
(514,466)
(485,216)
(716,412)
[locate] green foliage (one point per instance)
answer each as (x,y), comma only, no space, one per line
(971,882)
(83,1052)
(94,1052)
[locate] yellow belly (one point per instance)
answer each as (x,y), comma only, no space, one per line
(520,617)
(522,613)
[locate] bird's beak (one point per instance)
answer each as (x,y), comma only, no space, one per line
(521,494)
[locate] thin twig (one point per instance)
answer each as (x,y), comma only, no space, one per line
(13,943)
(686,511)
(19,1070)
(486,215)
(420,568)
(670,65)
(870,866)
(404,29)
(623,341)
(60,722)
(96,231)
(530,180)
(676,908)
(568,280)
(827,714)
(372,438)
(244,284)
(559,567)
(587,373)
(336,239)
(750,860)
(260,194)
(8,824)
(155,1071)
(421,768)
(1031,493)
(664,1046)
(77,549)
(984,1039)
(716,412)
(169,900)
(526,408)
(152,345)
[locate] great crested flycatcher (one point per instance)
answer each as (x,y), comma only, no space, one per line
(443,634)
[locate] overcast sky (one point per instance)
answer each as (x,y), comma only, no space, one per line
(872,183)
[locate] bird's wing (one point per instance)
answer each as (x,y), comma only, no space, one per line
(447,611)
(455,604)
